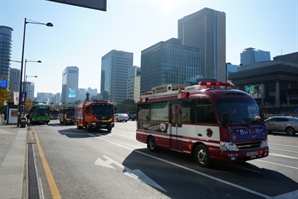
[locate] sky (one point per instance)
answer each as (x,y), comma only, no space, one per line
(82,36)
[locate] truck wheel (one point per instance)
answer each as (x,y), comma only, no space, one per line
(88,128)
(151,144)
(78,126)
(202,156)
(109,129)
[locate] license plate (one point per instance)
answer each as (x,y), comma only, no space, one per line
(254,153)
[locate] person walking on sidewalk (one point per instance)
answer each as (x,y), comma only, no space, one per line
(2,118)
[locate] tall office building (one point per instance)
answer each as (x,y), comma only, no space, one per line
(55,98)
(70,83)
(252,55)
(206,30)
(134,83)
(5,51)
(14,79)
(168,62)
(44,98)
(114,68)
(29,88)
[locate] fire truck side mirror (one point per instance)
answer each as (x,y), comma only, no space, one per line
(225,118)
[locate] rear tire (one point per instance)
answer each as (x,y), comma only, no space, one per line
(202,156)
(151,144)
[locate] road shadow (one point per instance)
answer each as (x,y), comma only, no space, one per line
(82,133)
(176,173)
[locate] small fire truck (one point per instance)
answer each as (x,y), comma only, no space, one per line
(95,115)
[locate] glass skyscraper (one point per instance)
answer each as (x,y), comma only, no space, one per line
(114,74)
(5,51)
(206,30)
(251,55)
(168,62)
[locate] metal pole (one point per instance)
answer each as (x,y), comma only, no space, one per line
(24,86)
(22,63)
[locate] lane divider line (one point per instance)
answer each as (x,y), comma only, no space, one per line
(53,187)
(190,170)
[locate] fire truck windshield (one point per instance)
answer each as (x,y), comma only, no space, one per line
(240,110)
(70,111)
(102,109)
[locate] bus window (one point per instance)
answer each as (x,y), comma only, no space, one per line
(144,112)
(159,111)
(205,111)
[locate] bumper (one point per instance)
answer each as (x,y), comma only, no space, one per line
(102,125)
(241,156)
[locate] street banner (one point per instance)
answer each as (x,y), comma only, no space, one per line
(23,97)
(16,98)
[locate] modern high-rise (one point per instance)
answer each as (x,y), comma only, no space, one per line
(252,55)
(5,51)
(70,83)
(206,30)
(134,83)
(168,62)
(29,89)
(14,79)
(114,68)
(44,97)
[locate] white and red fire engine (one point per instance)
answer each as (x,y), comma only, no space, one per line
(210,121)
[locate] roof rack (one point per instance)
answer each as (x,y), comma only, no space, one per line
(166,89)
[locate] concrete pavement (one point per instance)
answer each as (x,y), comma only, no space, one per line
(12,161)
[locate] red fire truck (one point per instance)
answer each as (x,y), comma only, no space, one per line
(67,115)
(210,121)
(54,113)
(97,114)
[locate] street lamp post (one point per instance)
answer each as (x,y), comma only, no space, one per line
(29,91)
(22,63)
(25,76)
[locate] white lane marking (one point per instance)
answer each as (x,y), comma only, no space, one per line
(283,156)
(283,150)
(188,169)
(289,195)
(282,165)
(103,163)
(135,174)
(283,145)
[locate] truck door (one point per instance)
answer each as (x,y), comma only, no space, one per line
(176,124)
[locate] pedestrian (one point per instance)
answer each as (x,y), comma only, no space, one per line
(2,116)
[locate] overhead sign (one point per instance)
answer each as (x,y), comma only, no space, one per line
(94,4)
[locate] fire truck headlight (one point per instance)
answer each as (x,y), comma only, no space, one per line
(228,146)
(264,144)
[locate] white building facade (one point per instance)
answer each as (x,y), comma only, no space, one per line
(70,83)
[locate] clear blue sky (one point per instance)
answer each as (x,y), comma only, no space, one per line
(81,36)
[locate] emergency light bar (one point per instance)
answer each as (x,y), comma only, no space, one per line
(212,84)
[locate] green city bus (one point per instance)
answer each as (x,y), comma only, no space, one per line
(39,114)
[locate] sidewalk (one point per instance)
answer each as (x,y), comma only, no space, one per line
(12,161)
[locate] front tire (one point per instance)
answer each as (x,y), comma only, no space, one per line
(151,144)
(88,128)
(202,156)
(290,131)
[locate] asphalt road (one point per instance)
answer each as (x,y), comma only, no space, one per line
(114,165)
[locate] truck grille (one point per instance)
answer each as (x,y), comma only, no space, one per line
(248,145)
